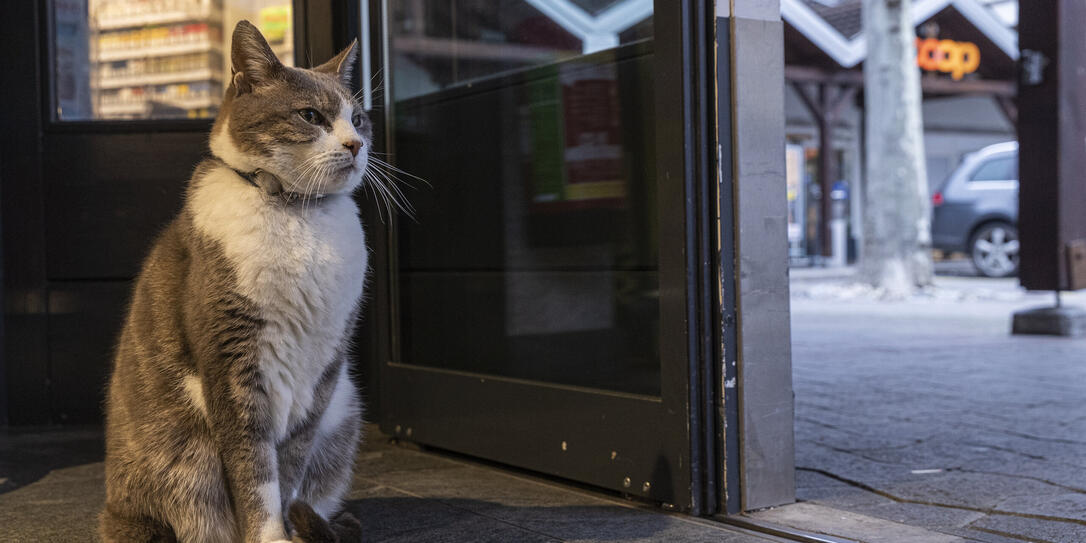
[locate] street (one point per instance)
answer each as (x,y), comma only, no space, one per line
(928,412)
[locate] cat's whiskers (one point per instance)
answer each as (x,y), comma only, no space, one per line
(378,189)
(306,162)
(388,184)
(312,176)
(387,165)
(399,197)
(375,90)
(317,168)
(317,180)
(388,172)
(368,186)
(378,195)
(311,173)
(390,194)
(308,167)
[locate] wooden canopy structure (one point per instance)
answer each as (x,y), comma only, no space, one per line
(825,49)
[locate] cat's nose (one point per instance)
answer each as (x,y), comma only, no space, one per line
(354,146)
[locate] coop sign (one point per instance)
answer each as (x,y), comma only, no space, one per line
(956,58)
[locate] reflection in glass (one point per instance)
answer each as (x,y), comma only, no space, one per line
(534,255)
(153,59)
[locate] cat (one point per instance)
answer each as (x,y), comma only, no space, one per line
(230,414)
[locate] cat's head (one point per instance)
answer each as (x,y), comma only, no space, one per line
(303,126)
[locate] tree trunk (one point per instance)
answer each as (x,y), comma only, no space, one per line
(897,210)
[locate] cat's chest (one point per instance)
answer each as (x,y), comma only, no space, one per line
(305,267)
(304,272)
(306,282)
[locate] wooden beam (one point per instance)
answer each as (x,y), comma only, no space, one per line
(827,174)
(845,94)
(930,85)
(939,85)
(825,108)
(806,74)
(813,106)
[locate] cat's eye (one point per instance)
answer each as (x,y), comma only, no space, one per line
(311,115)
(356,119)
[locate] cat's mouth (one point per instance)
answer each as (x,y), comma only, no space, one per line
(334,181)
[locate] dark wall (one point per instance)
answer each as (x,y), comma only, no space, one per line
(24,352)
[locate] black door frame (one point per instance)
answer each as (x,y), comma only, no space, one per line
(540,425)
(20,185)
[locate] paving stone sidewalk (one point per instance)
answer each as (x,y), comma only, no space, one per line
(51,489)
(928,412)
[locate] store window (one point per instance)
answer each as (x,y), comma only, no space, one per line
(437,45)
(153,59)
(533,254)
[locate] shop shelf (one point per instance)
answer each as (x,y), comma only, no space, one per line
(158,51)
(143,108)
(161,18)
(127,108)
(205,74)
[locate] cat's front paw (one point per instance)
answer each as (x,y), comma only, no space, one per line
(309,527)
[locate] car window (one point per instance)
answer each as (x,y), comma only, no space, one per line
(997,169)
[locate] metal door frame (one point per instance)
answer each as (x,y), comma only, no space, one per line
(666,448)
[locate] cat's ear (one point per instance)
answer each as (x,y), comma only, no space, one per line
(254,62)
(342,65)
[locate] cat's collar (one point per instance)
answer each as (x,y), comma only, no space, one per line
(271,185)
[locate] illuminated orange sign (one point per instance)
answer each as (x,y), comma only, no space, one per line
(956,58)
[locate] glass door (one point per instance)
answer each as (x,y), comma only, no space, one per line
(538,305)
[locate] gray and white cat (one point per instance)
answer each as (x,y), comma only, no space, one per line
(230,412)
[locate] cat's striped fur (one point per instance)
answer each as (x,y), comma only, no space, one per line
(230,397)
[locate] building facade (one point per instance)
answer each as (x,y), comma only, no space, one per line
(962,112)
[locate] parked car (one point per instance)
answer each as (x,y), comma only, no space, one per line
(976,210)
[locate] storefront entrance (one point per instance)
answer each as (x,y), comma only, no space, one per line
(581,269)
(535,316)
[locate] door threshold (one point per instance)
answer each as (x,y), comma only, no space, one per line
(779,530)
(815,523)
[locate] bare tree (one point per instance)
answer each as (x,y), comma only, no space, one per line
(897,212)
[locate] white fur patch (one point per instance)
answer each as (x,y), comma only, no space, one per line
(341,406)
(304,269)
(195,390)
(273,529)
(222,146)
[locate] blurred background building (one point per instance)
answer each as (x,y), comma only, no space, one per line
(967,50)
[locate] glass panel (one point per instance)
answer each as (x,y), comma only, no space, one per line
(534,254)
(153,59)
(438,44)
(997,169)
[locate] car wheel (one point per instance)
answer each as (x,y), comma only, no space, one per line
(995,250)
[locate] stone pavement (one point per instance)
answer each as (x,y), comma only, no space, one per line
(51,489)
(928,412)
